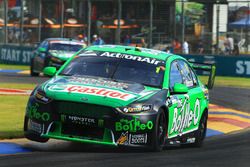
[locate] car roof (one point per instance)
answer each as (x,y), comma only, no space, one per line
(144,52)
(62,39)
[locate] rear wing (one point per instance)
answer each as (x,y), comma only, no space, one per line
(211,68)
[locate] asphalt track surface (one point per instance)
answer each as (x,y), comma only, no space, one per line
(224,150)
(227,150)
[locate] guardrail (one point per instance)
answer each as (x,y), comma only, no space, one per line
(237,65)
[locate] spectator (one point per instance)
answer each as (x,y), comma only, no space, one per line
(82,38)
(229,45)
(143,43)
(168,49)
(97,40)
(127,40)
(185,47)
(200,49)
(176,45)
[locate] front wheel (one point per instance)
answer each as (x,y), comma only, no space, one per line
(32,73)
(160,129)
(32,136)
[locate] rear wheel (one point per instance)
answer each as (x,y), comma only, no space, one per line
(32,73)
(200,134)
(160,131)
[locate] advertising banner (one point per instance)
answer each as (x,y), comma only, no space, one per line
(10,54)
(225,65)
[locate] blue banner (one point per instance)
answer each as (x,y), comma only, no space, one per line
(225,65)
(10,54)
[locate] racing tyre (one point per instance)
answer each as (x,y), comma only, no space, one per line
(200,134)
(32,73)
(159,132)
(32,136)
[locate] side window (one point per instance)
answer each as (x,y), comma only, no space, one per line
(186,74)
(175,75)
(44,44)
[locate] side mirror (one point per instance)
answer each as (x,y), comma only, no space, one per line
(49,71)
(180,88)
(41,49)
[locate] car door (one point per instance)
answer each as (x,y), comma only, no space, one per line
(175,101)
(195,95)
(184,108)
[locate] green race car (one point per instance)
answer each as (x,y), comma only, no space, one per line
(121,96)
(53,52)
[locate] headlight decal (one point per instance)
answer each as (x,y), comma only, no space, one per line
(41,96)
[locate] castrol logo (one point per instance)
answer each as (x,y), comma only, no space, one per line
(95,91)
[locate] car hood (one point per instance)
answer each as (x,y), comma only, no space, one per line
(96,91)
(61,54)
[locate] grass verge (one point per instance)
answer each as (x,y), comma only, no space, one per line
(238,82)
(14,67)
(17,86)
(12,115)
(12,110)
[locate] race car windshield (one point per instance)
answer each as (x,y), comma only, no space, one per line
(118,67)
(65,47)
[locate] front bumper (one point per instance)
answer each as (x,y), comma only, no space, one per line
(89,123)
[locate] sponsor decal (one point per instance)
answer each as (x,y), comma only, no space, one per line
(133,125)
(78,120)
(93,91)
(33,113)
(42,97)
(100,123)
(99,82)
(36,127)
(137,109)
(131,57)
(138,138)
(186,116)
(191,140)
(127,139)
(123,139)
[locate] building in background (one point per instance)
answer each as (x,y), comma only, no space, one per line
(27,22)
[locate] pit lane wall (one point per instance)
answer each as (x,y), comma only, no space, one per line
(237,65)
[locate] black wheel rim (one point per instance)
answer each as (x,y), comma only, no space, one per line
(162,129)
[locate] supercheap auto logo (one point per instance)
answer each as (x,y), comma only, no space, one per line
(93,91)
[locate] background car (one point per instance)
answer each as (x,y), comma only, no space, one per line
(121,96)
(53,52)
